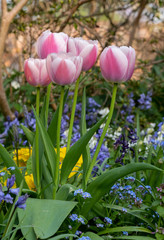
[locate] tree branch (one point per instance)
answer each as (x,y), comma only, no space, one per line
(72,11)
(16,9)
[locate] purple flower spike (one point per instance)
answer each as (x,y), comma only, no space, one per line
(8,198)
(1,196)
(14,191)
(10,182)
(21,203)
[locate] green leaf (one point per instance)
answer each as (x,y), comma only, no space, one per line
(63,236)
(159,236)
(125,228)
(93,236)
(160,211)
(64,191)
(29,134)
(52,129)
(49,148)
(136,213)
(83,130)
(75,152)
(9,162)
(44,215)
(102,184)
(134,237)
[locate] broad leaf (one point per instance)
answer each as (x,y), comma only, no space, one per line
(102,184)
(75,152)
(125,228)
(44,215)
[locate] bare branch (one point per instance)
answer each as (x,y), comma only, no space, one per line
(72,11)
(4,7)
(16,9)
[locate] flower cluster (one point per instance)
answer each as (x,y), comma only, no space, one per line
(74,217)
(80,192)
(7,193)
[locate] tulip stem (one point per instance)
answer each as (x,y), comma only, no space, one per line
(37,143)
(56,175)
(103,133)
(47,103)
(73,114)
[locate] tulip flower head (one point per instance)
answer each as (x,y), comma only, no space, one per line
(64,68)
(117,64)
(50,42)
(87,49)
(36,72)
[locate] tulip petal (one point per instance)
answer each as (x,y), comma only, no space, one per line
(89,55)
(113,64)
(130,54)
(31,72)
(64,71)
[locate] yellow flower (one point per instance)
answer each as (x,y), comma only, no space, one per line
(77,166)
(25,153)
(23,156)
(30,181)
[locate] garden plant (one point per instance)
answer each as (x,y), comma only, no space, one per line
(73,174)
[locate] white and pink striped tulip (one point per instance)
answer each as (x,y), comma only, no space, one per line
(87,49)
(64,68)
(36,72)
(50,42)
(117,64)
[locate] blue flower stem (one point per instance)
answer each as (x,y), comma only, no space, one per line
(103,133)
(37,144)
(47,103)
(56,174)
(72,114)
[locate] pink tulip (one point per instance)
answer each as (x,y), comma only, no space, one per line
(50,42)
(64,68)
(86,49)
(117,64)
(36,72)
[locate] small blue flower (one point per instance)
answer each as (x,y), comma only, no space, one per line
(124,209)
(85,238)
(80,219)
(86,195)
(125,233)
(2,174)
(78,191)
(73,217)
(11,168)
(78,233)
(100,225)
(108,220)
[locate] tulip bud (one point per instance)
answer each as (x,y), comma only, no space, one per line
(117,64)
(50,42)
(87,49)
(36,72)
(64,68)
